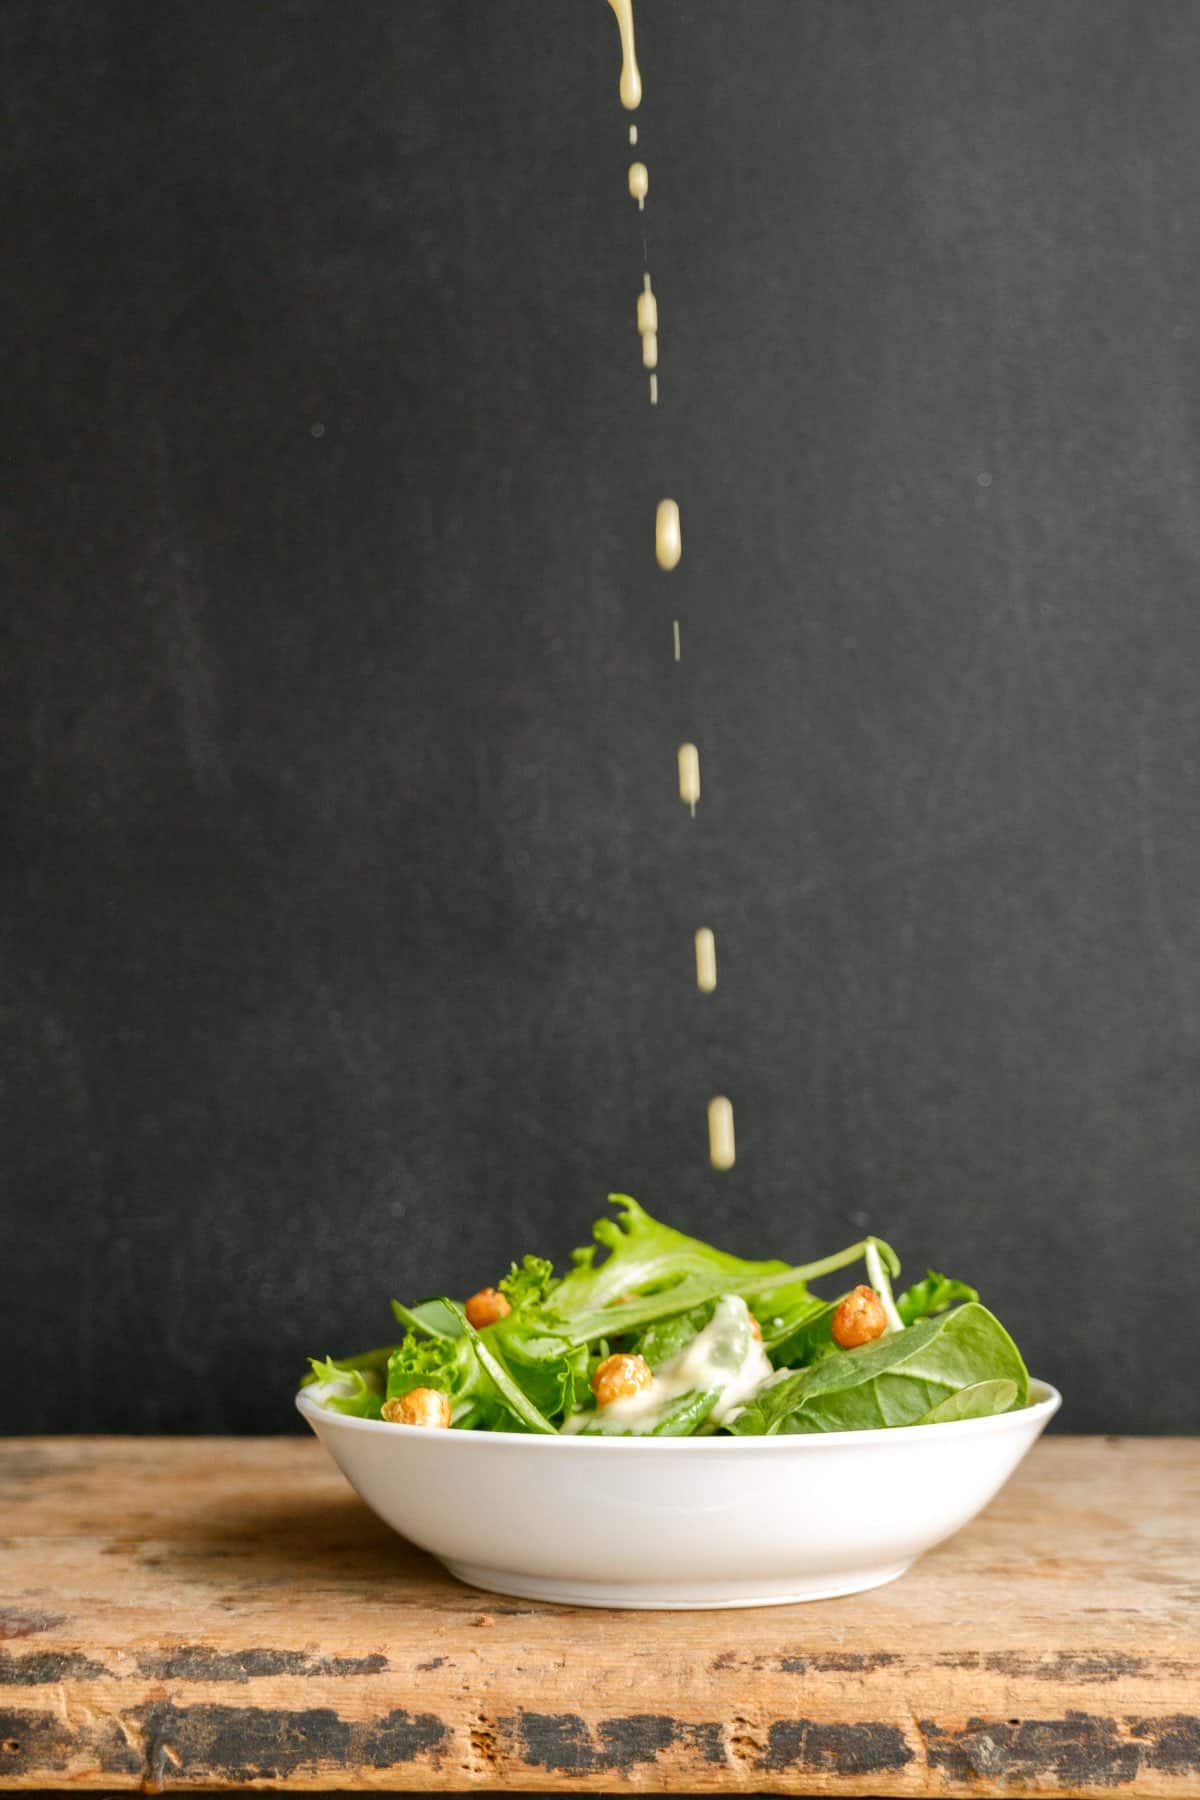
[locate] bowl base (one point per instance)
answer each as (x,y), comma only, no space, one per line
(679,1596)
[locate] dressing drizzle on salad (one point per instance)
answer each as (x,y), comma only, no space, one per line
(724,1358)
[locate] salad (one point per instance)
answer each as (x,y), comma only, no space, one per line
(665,1336)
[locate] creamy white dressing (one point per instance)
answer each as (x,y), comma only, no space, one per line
(722,1144)
(725,1355)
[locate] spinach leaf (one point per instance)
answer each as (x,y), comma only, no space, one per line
(894,1381)
(979,1401)
(933,1295)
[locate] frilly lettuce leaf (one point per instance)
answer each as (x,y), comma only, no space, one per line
(528,1282)
(347,1387)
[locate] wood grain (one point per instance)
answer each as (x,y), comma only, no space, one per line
(215,1613)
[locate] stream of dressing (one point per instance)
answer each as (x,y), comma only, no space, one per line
(668,549)
(725,1355)
(631,80)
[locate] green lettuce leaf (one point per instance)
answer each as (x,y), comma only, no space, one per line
(551,1371)
(353,1386)
(432,1362)
(431,1318)
(500,1379)
(511,1394)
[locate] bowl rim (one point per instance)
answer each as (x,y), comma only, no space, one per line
(1039,1411)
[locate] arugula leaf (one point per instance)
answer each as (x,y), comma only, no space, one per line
(979,1401)
(933,1295)
(894,1381)
(356,1391)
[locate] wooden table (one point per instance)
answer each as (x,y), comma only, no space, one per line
(212,1613)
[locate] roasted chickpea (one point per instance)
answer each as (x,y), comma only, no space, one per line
(420,1406)
(619,1376)
(860,1319)
(485,1307)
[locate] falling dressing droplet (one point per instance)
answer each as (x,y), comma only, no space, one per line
(722,1150)
(631,80)
(639,183)
(668,535)
(675,638)
(647,310)
(706,961)
(689,776)
(633,134)
(654,387)
(647,324)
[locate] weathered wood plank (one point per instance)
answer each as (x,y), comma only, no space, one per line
(221,1613)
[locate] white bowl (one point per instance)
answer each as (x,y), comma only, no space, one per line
(680,1522)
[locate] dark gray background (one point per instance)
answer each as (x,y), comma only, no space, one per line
(347,905)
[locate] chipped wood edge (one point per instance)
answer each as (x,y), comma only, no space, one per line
(93,1734)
